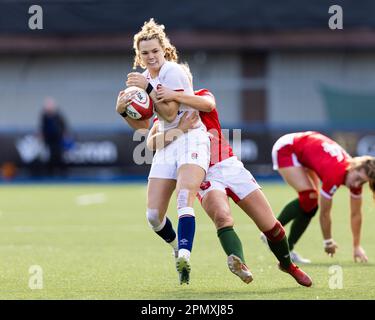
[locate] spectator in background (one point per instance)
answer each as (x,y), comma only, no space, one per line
(53,129)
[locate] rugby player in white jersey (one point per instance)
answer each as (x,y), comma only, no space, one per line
(187,157)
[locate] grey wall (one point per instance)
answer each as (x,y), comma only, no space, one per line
(86,86)
(221,74)
(293,82)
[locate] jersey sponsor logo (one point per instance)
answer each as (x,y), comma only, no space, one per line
(179,112)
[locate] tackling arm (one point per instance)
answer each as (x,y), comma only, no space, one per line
(167,110)
(200,103)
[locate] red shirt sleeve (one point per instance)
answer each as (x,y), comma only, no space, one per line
(330,186)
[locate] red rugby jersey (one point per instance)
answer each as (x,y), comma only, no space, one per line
(220,147)
(325,157)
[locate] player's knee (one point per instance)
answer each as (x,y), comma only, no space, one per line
(276,234)
(222,219)
(308,201)
(154,219)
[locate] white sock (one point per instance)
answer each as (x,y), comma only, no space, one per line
(184,253)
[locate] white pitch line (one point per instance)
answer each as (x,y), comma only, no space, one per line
(90,199)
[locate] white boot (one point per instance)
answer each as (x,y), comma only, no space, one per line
(296,258)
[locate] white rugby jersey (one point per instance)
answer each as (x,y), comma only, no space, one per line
(173,76)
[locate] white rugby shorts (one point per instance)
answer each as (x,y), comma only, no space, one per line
(231,177)
(282,153)
(191,148)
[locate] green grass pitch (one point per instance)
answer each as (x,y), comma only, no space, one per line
(93,242)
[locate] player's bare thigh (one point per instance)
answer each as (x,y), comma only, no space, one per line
(313,178)
(216,205)
(189,179)
(297,177)
(159,192)
(257,207)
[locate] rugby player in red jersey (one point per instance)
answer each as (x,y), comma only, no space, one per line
(227,176)
(305,158)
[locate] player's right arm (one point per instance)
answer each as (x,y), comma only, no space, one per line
(158,140)
(167,110)
(122,103)
(329,244)
(204,103)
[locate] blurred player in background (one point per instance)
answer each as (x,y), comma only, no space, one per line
(303,159)
(53,129)
(227,176)
(184,163)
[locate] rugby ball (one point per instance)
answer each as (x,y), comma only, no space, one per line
(141,106)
